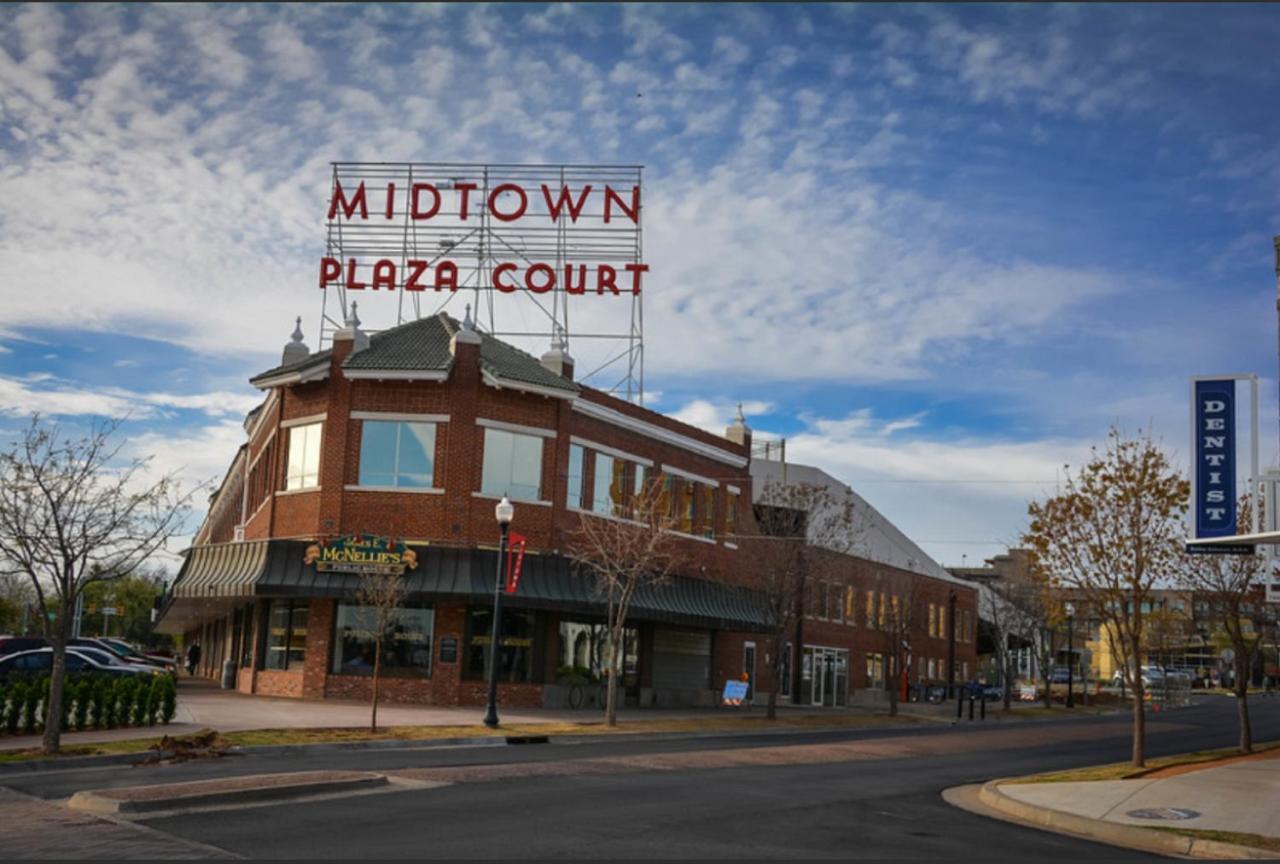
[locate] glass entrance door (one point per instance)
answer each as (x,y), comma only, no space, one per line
(827,675)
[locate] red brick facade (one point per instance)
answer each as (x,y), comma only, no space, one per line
(455,514)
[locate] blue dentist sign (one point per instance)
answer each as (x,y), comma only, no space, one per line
(1215,458)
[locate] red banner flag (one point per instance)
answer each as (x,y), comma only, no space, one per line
(515,558)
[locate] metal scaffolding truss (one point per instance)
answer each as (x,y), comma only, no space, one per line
(612,334)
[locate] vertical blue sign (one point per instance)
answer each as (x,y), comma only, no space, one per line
(1215,457)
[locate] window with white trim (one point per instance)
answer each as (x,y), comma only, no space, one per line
(606,497)
(395,453)
(574,499)
(512,465)
(303,462)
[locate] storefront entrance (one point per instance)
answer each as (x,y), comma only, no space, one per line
(825,676)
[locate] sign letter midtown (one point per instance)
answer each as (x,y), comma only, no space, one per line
(1215,449)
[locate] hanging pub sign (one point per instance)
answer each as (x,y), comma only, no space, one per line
(361,553)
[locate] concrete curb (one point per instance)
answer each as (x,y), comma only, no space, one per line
(1115,834)
(205,793)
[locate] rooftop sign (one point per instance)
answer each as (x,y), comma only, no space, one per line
(440,227)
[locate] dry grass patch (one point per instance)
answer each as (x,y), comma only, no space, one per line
(278,737)
(1125,771)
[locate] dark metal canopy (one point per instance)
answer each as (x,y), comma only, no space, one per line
(276,568)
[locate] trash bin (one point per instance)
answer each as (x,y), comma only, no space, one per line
(229,675)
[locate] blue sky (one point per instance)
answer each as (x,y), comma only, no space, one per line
(940,249)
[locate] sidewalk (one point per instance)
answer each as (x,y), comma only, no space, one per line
(201,705)
(1214,802)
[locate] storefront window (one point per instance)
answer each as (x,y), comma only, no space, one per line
(584,650)
(286,634)
(519,635)
(512,465)
(406,647)
(304,457)
(397,454)
(575,477)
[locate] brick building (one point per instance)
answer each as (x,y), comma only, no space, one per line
(414,434)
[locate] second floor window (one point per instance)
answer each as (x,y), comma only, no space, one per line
(397,454)
(575,477)
(303,466)
(512,465)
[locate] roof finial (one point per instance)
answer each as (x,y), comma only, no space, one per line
(353,320)
(741,418)
(467,323)
(295,349)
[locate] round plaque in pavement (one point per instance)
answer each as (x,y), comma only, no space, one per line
(1173,814)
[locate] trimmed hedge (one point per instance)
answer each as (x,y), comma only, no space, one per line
(89,701)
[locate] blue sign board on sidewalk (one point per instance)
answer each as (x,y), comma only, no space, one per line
(734,692)
(1215,458)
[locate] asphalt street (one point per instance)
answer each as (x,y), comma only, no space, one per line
(845,794)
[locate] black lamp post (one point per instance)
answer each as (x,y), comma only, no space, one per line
(504,513)
(1071,657)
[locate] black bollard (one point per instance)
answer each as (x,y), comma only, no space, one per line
(984,706)
(970,706)
(959,709)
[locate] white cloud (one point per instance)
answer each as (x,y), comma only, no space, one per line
(45,394)
(714,416)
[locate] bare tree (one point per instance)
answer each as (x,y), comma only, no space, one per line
(804,527)
(72,514)
(1110,536)
(1230,584)
(380,595)
(625,555)
(998,606)
(899,614)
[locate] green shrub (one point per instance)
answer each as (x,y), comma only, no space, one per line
(98,701)
(168,698)
(17,698)
(4,707)
(84,698)
(30,704)
(68,697)
(153,699)
(141,695)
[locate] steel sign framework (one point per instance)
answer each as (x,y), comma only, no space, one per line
(564,243)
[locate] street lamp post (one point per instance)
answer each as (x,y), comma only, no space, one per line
(504,513)
(1071,666)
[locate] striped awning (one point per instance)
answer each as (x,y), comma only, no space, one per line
(222,569)
(547,582)
(277,568)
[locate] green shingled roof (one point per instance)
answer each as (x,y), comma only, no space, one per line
(424,345)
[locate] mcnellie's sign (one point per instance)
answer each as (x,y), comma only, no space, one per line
(541,208)
(361,553)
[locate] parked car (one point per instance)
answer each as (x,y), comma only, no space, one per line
(1152,676)
(130,654)
(14,644)
(992,693)
(126,654)
(1059,675)
(39,661)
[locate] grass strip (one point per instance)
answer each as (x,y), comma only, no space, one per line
(1125,771)
(278,737)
